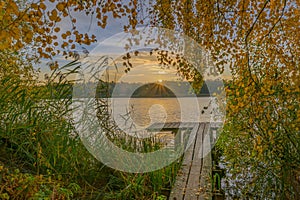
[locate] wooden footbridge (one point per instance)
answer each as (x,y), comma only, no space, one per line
(193,180)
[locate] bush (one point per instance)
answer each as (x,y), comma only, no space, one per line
(261,138)
(17,185)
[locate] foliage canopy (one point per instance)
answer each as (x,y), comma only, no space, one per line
(258,40)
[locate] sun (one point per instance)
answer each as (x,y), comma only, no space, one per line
(160,81)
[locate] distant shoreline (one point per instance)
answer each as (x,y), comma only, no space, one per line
(151,97)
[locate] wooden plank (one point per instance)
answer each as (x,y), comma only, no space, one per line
(188,156)
(178,190)
(192,191)
(205,182)
(170,125)
(193,179)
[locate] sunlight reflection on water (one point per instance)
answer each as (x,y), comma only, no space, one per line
(162,109)
(146,111)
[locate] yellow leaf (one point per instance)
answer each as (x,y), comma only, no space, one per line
(60,6)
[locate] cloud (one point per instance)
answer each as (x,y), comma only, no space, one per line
(136,75)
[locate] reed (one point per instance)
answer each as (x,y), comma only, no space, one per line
(42,156)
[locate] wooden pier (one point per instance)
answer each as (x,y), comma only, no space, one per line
(193,180)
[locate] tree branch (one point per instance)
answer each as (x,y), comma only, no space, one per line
(246,39)
(278,20)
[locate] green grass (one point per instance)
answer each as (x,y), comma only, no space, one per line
(42,157)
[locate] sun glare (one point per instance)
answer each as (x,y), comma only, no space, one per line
(159,80)
(162,72)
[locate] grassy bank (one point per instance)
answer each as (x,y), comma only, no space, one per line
(42,157)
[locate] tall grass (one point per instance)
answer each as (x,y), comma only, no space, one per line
(41,156)
(35,133)
(124,185)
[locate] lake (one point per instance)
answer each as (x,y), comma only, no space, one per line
(135,115)
(145,111)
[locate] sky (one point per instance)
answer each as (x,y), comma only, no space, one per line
(111,42)
(145,69)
